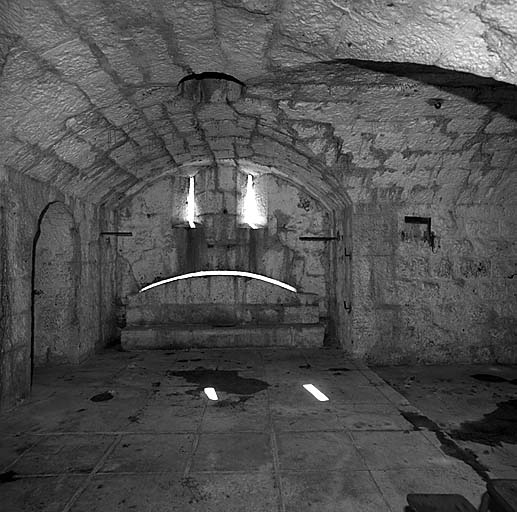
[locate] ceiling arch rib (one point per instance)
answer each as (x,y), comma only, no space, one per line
(160,42)
(338,120)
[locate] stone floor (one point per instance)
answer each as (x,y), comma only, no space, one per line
(475,404)
(135,432)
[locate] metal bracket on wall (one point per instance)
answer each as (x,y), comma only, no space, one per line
(318,238)
(348,254)
(348,307)
(116,233)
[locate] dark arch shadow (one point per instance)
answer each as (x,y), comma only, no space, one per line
(499,97)
(35,240)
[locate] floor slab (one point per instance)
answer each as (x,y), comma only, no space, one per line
(136,431)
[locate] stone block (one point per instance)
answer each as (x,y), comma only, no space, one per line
(504,268)
(465,125)
(441,267)
(474,268)
(167,337)
(413,267)
(301,314)
(258,292)
(210,203)
(221,290)
(265,315)
(227,178)
(501,124)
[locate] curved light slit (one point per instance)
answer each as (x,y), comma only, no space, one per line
(207,273)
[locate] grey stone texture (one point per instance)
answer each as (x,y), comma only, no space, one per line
(161,41)
(74,319)
(184,313)
(91,115)
(160,444)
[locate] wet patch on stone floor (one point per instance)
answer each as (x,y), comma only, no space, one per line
(438,503)
(225,381)
(102,397)
(8,476)
(496,427)
(488,377)
(448,445)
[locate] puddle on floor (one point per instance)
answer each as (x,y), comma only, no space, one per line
(488,377)
(226,381)
(496,427)
(8,476)
(102,397)
(448,445)
(438,503)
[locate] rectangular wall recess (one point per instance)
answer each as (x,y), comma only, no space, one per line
(417,229)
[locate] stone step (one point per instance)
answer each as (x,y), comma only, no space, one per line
(216,314)
(141,337)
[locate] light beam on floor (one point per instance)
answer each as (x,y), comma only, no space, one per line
(207,273)
(211,394)
(314,391)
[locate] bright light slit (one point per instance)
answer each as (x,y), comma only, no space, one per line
(211,394)
(314,391)
(191,206)
(251,213)
(207,273)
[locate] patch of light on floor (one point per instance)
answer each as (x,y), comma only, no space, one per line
(191,203)
(313,390)
(208,273)
(211,394)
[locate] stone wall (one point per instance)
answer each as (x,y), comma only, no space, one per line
(162,246)
(417,146)
(394,141)
(456,301)
(23,201)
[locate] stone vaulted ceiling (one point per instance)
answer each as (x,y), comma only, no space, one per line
(88,97)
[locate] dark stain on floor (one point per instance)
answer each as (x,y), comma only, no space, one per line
(242,399)
(438,503)
(338,369)
(102,397)
(8,476)
(488,377)
(448,445)
(419,421)
(451,448)
(226,381)
(305,366)
(496,427)
(188,360)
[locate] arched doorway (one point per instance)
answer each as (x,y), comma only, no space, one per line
(54,287)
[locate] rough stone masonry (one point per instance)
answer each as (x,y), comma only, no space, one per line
(388,128)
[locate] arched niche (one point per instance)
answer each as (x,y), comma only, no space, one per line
(304,242)
(55,326)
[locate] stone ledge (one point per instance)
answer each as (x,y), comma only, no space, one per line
(199,335)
